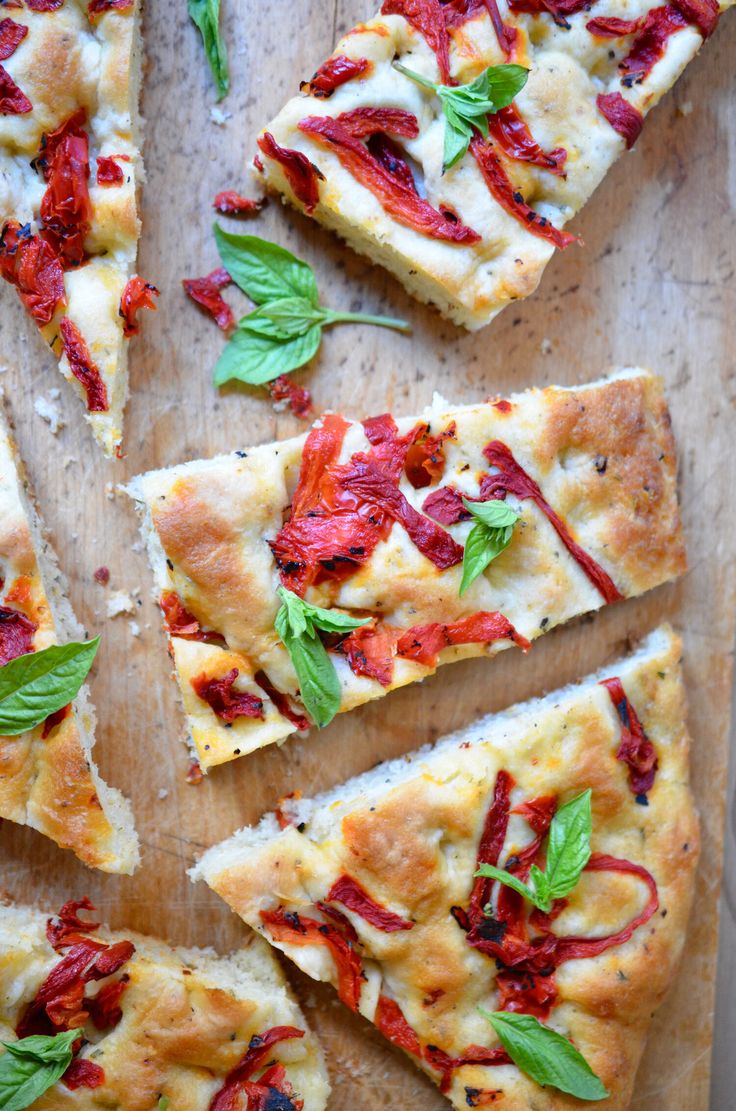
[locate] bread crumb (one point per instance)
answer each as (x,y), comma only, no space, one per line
(109,491)
(135,628)
(119,602)
(546,346)
(220,117)
(163,794)
(685,108)
(48,411)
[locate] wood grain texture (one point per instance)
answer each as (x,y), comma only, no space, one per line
(654,284)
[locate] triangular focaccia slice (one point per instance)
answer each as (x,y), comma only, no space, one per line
(70,163)
(591,470)
(361,148)
(371,886)
(48,779)
(181,1024)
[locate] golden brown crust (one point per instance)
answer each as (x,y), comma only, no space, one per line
(67,62)
(50,783)
(188,1018)
(409,833)
(602,454)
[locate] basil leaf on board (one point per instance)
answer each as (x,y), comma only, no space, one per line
(206,15)
(568,851)
(568,846)
(488,538)
(163,1104)
(545,1055)
(257,359)
(466,107)
(286,318)
(40,683)
(265,271)
(31,1066)
(297,623)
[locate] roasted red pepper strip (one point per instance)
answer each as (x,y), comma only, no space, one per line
(704,14)
(635,749)
(321,450)
(31,265)
(538,812)
(98,7)
(82,367)
(558,9)
(526,993)
(364,122)
(43,5)
(295,929)
(333,73)
(66,209)
(281,701)
(16,634)
(298,398)
(138,294)
(508,128)
(425,459)
(491,843)
(83,1074)
(206,292)
(226,703)
(53,720)
(108,171)
(473,1055)
(231,203)
(399,201)
(652,34)
(513,479)
(370,650)
(500,187)
(390,1020)
(11,36)
(446,506)
(301,174)
(66,928)
(13,101)
(621,115)
(254,1058)
(426,17)
(424,643)
(388,153)
(181,623)
(104,1008)
(352,895)
(506,35)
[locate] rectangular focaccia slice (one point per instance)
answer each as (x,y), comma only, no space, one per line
(369,509)
(70,166)
(371,886)
(48,779)
(361,147)
(183,1025)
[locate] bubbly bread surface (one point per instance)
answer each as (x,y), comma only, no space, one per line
(565,151)
(48,779)
(410,834)
(602,455)
(79,69)
(188,1017)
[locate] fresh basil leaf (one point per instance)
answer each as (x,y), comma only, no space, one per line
(163,1104)
(40,683)
(568,847)
(31,1066)
(491,872)
(468,106)
(206,15)
(319,685)
(545,1055)
(250,357)
(494,513)
(265,271)
(304,616)
(286,318)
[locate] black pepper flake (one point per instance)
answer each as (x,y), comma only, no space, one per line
(601,462)
(642,800)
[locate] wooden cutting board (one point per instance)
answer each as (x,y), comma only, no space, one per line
(654,285)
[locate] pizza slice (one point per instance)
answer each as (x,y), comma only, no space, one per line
(374,886)
(367,534)
(70,166)
(157,1027)
(48,779)
(467,208)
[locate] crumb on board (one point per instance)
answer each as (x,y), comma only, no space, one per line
(135,628)
(162,794)
(102,576)
(219,116)
(48,411)
(119,602)
(546,346)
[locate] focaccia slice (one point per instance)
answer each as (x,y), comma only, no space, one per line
(371,886)
(369,508)
(70,166)
(361,147)
(159,1023)
(48,779)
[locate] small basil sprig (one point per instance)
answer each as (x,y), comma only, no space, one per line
(163,1104)
(285,330)
(297,623)
(568,851)
(467,107)
(487,538)
(31,1066)
(545,1055)
(40,683)
(206,15)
